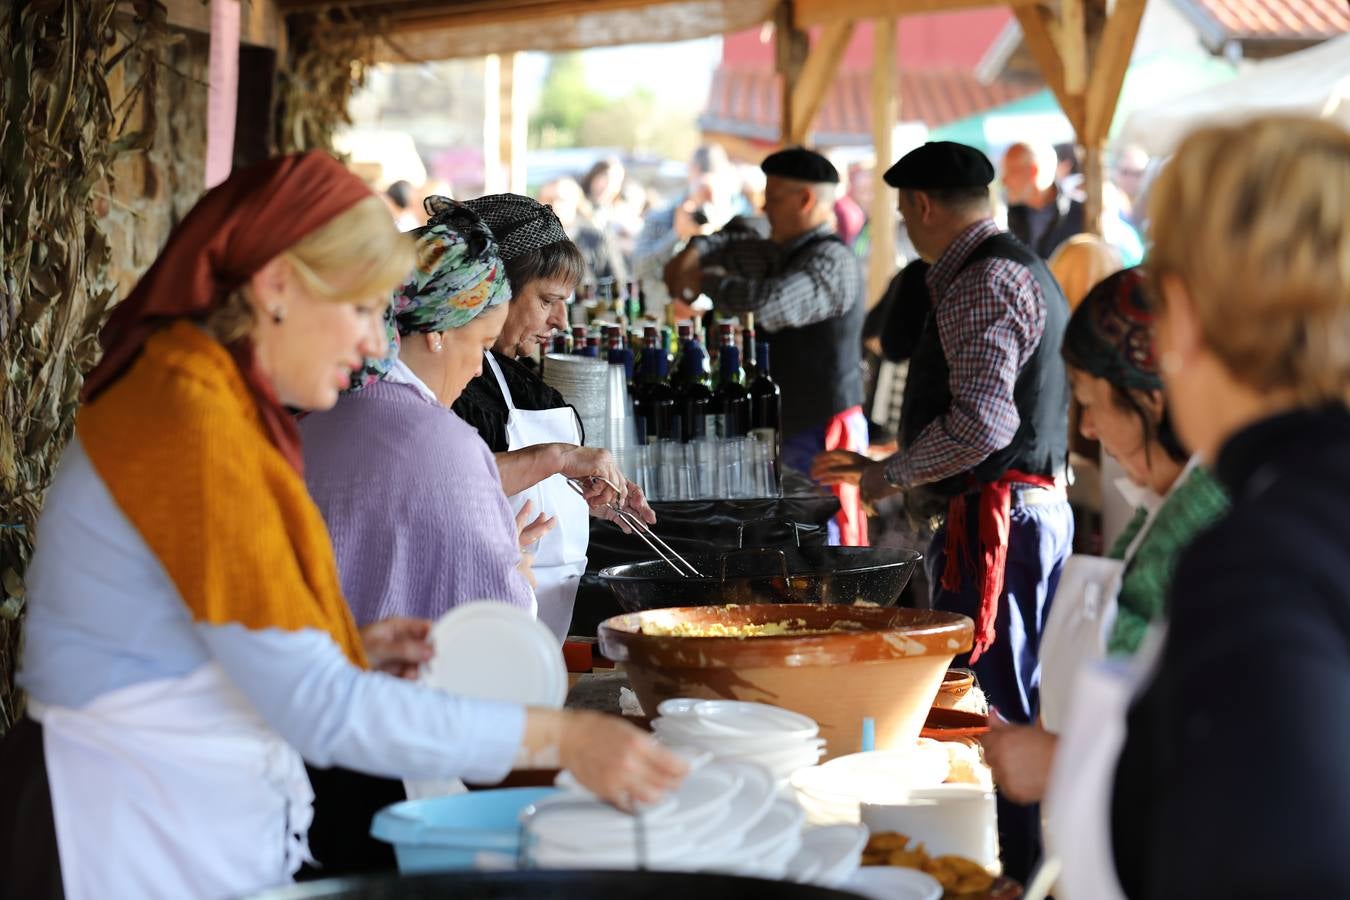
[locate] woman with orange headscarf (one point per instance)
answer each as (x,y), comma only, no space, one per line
(188,643)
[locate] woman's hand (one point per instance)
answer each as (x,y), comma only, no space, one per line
(397,646)
(526,568)
(527,531)
(636,504)
(618,762)
(839,467)
(1021,756)
(588,465)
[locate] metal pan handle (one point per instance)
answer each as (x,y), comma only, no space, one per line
(768,520)
(753,551)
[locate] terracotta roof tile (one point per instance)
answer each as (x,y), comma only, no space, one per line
(746,101)
(1278,19)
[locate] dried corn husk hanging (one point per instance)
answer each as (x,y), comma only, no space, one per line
(60,134)
(329,54)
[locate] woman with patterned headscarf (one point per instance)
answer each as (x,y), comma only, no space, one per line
(187,645)
(1104,606)
(410,492)
(534,433)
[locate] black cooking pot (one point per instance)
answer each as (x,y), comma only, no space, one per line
(552,886)
(820,575)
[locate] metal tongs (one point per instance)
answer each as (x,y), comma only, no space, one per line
(669,556)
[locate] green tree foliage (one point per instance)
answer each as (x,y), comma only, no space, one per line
(569,113)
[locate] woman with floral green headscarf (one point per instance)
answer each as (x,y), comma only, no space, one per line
(411,494)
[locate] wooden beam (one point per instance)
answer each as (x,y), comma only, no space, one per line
(1108,68)
(1039,32)
(1072,43)
(1094,183)
(422,16)
(810,13)
(817,76)
(885,115)
(791,47)
(260,21)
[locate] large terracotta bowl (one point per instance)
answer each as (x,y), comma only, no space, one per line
(889,668)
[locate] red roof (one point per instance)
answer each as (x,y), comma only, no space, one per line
(745,102)
(1276,20)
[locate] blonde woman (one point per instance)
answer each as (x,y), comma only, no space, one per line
(1232,781)
(188,643)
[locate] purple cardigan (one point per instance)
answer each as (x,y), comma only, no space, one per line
(414,504)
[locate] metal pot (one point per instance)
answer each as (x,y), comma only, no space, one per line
(551,885)
(816,575)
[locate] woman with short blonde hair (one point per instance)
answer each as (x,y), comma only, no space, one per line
(1232,781)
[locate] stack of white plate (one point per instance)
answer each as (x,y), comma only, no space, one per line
(725,817)
(777,739)
(833,793)
(583,383)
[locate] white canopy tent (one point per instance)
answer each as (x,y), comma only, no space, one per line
(1313,82)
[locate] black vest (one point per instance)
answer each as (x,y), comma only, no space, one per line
(818,367)
(1041,444)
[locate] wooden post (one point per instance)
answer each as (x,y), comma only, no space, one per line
(790,49)
(815,79)
(514,121)
(885,116)
(1113,39)
(494,179)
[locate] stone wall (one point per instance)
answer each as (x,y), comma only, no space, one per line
(154,189)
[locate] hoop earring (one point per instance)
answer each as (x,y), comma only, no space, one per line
(278,314)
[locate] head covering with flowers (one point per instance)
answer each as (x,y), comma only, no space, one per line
(1110,334)
(459,275)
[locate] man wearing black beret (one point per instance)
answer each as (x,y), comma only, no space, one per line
(984,429)
(805,288)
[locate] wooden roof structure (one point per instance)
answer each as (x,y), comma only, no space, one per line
(1081,48)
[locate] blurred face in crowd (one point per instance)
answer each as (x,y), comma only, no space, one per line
(606,185)
(564,197)
(533,314)
(1019,175)
(1129,171)
(310,355)
(860,186)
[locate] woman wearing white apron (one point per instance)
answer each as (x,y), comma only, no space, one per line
(187,645)
(1103,606)
(535,435)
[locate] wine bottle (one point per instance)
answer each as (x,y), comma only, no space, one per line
(618,353)
(694,393)
(731,400)
(653,397)
(686,334)
(749,358)
(579,340)
(766,407)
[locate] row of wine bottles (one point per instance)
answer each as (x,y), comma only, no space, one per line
(689,391)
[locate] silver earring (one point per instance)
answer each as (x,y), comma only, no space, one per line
(278,314)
